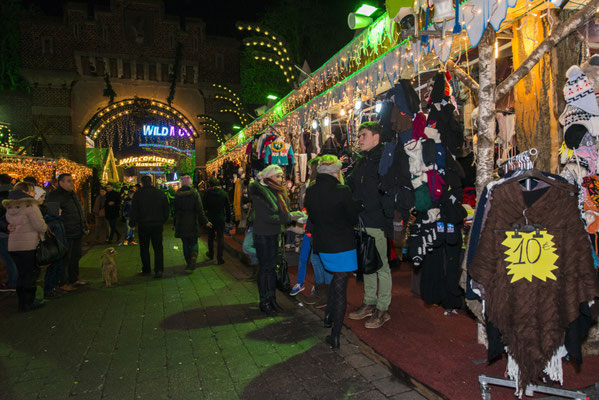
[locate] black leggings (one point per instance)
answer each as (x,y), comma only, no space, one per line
(337,301)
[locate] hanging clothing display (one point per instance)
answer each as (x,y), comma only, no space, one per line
(534,280)
(279,152)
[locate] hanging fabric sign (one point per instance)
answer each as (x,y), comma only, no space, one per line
(530,254)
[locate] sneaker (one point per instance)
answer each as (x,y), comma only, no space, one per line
(364,311)
(312,298)
(450,311)
(8,288)
(67,288)
(296,289)
(378,319)
(132,243)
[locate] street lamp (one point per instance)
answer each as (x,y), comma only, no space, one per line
(236,127)
(272,97)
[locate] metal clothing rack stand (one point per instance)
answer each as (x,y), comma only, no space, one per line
(485,389)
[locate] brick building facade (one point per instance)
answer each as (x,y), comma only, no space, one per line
(64,61)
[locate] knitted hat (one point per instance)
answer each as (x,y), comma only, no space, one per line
(39,192)
(331,169)
(269,171)
(576,116)
(186,180)
(579,92)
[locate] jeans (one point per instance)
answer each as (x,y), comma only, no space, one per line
(28,274)
(151,233)
(70,270)
(9,263)
(267,248)
(52,276)
(320,274)
(129,232)
(303,259)
(248,245)
(380,279)
(113,229)
(217,231)
(190,245)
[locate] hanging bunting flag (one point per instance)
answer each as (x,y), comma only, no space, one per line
(477,14)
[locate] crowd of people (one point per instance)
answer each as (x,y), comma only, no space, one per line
(334,199)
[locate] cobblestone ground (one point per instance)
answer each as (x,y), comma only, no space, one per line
(186,336)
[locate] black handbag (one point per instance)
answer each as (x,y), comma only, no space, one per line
(282,272)
(49,250)
(369,259)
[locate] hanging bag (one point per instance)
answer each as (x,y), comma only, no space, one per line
(49,250)
(369,259)
(281,271)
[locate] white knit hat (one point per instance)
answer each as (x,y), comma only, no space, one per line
(269,171)
(39,192)
(579,92)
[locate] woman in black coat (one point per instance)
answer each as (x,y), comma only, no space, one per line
(334,214)
(188,217)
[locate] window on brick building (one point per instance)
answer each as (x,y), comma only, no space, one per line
(164,73)
(47,45)
(77,31)
(152,72)
(126,70)
(113,67)
(219,61)
(189,74)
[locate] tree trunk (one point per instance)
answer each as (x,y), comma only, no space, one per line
(486,110)
(536,123)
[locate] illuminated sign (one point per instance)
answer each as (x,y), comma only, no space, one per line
(147,161)
(165,131)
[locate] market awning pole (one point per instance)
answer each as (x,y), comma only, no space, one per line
(486,110)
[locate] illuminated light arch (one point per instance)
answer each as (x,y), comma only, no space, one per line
(104,117)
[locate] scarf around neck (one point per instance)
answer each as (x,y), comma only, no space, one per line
(281,193)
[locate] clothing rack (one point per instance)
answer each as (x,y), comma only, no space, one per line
(485,390)
(520,162)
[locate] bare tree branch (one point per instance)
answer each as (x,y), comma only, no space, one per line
(559,32)
(463,76)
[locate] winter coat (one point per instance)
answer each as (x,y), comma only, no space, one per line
(217,206)
(268,216)
(149,208)
(25,216)
(189,213)
(365,182)
(333,213)
(112,211)
(532,315)
(72,214)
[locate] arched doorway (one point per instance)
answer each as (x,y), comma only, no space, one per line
(146,136)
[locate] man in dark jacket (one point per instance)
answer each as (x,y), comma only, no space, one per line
(113,205)
(218,211)
(188,217)
(9,264)
(65,201)
(365,182)
(149,212)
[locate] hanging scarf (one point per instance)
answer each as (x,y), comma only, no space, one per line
(281,193)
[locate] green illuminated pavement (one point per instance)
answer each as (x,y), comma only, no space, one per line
(186,336)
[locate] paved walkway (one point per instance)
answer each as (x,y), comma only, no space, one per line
(186,336)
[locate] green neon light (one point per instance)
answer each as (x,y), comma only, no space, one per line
(366,10)
(236,127)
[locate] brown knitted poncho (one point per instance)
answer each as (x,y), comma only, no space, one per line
(533,315)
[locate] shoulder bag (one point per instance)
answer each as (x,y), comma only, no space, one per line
(369,259)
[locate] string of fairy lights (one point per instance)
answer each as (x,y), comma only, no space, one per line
(118,125)
(209,125)
(270,47)
(232,98)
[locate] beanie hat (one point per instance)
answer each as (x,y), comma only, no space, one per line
(330,169)
(269,171)
(573,136)
(39,192)
(579,92)
(573,115)
(186,180)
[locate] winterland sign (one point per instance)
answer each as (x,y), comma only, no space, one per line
(165,131)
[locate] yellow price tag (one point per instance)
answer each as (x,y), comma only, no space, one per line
(530,254)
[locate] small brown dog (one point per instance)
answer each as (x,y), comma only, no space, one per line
(109,266)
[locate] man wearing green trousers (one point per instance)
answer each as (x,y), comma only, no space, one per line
(364,182)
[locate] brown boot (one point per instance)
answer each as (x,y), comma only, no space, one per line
(323,295)
(378,319)
(311,298)
(193,259)
(364,311)
(254,274)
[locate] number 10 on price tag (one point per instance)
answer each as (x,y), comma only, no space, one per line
(530,254)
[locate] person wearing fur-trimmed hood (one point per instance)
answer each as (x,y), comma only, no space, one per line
(26,224)
(271,207)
